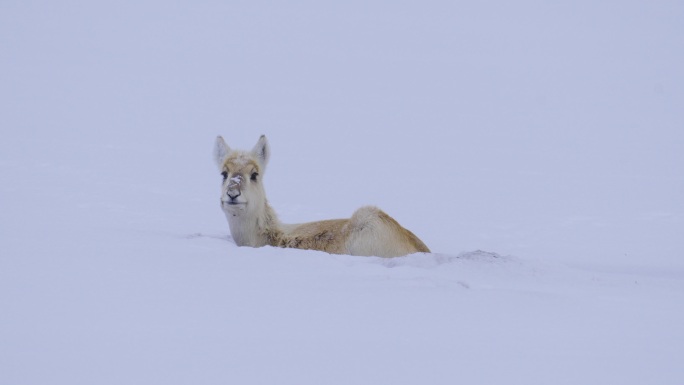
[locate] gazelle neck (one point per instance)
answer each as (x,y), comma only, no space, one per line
(256,228)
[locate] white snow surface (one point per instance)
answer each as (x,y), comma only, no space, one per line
(549,135)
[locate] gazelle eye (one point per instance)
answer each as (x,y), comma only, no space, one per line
(254,176)
(225,175)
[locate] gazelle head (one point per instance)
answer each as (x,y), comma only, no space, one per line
(242,191)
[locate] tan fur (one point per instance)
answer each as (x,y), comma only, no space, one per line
(252,221)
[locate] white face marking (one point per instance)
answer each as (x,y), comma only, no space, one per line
(239,191)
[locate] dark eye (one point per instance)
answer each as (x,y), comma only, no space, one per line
(254,176)
(225,175)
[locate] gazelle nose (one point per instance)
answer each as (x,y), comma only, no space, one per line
(233,195)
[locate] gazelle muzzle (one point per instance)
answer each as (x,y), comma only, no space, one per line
(234,188)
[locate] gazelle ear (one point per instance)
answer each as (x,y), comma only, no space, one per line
(221,151)
(262,151)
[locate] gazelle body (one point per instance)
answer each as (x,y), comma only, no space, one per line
(252,221)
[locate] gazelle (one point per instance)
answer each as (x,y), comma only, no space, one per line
(252,221)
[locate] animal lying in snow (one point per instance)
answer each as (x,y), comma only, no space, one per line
(252,221)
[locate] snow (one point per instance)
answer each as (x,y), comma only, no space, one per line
(535,148)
